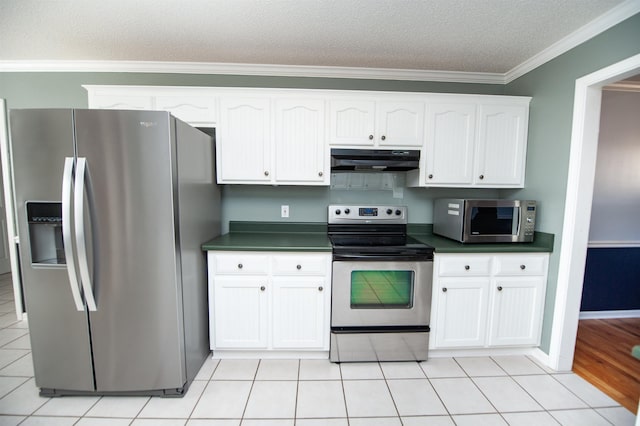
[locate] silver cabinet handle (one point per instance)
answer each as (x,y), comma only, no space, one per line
(320,288)
(383,137)
(430,176)
(467,267)
(523,267)
(67,186)
(298,267)
(481,177)
(262,288)
(240,265)
(444,289)
(370,137)
(266,172)
(499,288)
(82,185)
(320,174)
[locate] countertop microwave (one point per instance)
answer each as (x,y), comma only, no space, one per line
(484,220)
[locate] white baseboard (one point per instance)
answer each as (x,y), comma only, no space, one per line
(634,313)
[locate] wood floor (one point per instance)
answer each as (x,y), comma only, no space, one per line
(603,358)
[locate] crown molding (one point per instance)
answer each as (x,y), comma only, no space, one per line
(250,69)
(602,23)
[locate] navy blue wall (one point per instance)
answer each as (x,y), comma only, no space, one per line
(611,279)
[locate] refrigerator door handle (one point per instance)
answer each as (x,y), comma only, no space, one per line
(67,186)
(82,183)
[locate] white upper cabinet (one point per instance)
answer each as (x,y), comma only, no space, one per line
(244,140)
(267,140)
(121,101)
(189,104)
(352,122)
(195,110)
(450,139)
(301,152)
(376,123)
(474,141)
(502,144)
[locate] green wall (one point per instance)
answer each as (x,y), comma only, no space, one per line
(552,88)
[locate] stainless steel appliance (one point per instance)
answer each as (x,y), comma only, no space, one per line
(381,286)
(112,207)
(374,159)
(485,221)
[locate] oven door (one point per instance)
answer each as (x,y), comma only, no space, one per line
(381,293)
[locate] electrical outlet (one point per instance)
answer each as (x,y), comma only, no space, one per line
(284,211)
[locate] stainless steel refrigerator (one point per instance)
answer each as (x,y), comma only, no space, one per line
(112,207)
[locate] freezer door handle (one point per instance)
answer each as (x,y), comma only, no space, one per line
(82,185)
(67,186)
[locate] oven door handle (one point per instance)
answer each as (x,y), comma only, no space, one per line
(384,257)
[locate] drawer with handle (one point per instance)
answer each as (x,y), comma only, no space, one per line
(464,266)
(241,263)
(520,265)
(300,264)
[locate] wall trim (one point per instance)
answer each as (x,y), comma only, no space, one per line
(614,16)
(633,313)
(578,203)
(613,244)
(252,70)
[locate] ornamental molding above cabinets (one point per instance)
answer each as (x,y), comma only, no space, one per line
(284,136)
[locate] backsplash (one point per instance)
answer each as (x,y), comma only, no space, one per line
(309,203)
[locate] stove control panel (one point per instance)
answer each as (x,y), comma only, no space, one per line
(367,214)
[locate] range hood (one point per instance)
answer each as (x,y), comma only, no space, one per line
(389,160)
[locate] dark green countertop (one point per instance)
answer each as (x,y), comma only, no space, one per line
(542,242)
(312,236)
(272,236)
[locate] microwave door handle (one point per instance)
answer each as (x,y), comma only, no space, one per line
(83,181)
(67,187)
(519,225)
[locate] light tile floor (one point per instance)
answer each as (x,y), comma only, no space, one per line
(442,391)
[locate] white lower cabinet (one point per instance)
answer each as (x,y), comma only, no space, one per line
(240,306)
(268,301)
(488,300)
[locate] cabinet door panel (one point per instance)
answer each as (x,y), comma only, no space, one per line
(244,140)
(400,124)
(299,313)
(352,122)
(300,141)
(462,312)
(516,311)
(195,110)
(450,140)
(120,101)
(240,312)
(501,145)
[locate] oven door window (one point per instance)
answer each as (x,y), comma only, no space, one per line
(382,289)
(494,220)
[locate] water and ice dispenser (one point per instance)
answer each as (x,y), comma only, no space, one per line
(45,233)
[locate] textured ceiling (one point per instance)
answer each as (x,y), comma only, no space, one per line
(491,36)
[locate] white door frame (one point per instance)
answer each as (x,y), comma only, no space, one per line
(7,174)
(577,213)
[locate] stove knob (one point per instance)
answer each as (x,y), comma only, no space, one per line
(389,211)
(398,212)
(338,212)
(347,211)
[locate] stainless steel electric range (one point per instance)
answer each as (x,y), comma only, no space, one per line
(381,286)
